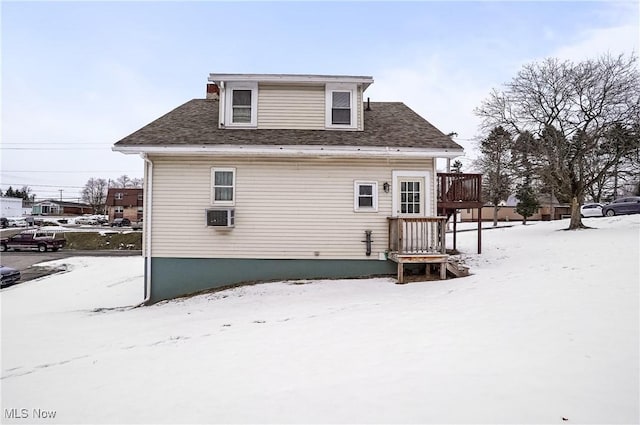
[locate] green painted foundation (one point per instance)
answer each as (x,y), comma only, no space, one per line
(175,277)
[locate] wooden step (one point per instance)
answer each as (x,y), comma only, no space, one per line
(457,269)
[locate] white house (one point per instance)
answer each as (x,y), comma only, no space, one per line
(11,207)
(279,176)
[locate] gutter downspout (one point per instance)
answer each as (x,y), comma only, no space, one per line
(147,226)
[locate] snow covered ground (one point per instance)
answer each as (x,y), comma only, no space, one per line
(546,330)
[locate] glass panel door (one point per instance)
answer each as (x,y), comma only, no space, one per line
(411,196)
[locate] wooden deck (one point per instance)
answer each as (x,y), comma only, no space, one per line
(422,239)
(418,240)
(458,191)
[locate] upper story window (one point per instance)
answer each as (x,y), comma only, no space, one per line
(241,105)
(223,184)
(119,195)
(340,101)
(341,108)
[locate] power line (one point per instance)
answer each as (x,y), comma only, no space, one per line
(55,149)
(70,172)
(54,143)
(41,185)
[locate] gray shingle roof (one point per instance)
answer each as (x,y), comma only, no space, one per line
(195,123)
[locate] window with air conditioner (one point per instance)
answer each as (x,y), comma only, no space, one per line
(220,217)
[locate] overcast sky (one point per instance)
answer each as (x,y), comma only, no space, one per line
(79,76)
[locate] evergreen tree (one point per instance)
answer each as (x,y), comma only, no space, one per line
(527,201)
(494,162)
(25,193)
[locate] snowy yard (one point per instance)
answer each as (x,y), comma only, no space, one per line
(546,330)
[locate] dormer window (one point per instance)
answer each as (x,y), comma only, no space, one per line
(340,111)
(241,104)
(341,108)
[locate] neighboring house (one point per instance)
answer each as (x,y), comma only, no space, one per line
(125,203)
(52,207)
(287,177)
(11,207)
(550,209)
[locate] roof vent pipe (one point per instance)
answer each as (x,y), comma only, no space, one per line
(368,104)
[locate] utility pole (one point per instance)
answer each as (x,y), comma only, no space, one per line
(60,190)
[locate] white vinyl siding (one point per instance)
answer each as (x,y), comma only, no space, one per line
(284,208)
(292,107)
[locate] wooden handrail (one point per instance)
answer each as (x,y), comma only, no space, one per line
(417,235)
(459,187)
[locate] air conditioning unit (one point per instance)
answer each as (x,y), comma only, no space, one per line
(221,217)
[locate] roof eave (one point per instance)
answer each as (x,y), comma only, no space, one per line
(366,81)
(294,150)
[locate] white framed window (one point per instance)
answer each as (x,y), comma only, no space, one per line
(223,186)
(241,101)
(118,195)
(118,210)
(340,106)
(365,196)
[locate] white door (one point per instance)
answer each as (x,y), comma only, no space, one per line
(411,196)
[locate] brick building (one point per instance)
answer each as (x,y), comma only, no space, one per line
(124,203)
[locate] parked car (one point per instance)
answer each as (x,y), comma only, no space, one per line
(120,222)
(591,210)
(626,205)
(4,223)
(87,219)
(9,276)
(16,222)
(39,240)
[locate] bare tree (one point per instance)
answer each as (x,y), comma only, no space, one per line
(126,182)
(123,181)
(94,193)
(570,108)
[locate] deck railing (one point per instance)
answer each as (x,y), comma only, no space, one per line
(417,235)
(459,187)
